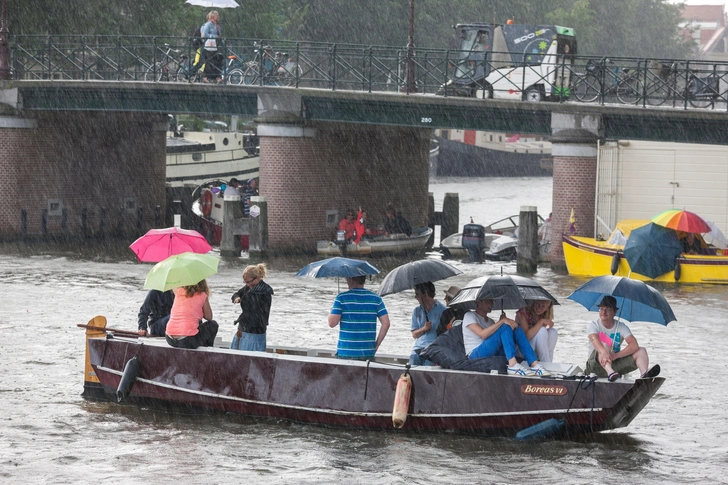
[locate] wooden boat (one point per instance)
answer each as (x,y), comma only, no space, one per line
(312,386)
(392,244)
(197,157)
(586,256)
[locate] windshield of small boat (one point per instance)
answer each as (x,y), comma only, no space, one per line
(617,238)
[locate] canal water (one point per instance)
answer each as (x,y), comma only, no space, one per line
(49,434)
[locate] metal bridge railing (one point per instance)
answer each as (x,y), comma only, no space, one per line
(586,79)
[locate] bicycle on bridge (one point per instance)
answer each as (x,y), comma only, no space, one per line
(266,69)
(671,82)
(170,67)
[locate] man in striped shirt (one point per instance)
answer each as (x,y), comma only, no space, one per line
(357,311)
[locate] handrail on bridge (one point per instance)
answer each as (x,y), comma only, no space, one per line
(302,64)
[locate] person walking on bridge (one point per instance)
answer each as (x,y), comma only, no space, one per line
(211,35)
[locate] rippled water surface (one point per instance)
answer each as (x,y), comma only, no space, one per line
(50,434)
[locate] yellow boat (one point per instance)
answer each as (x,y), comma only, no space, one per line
(586,256)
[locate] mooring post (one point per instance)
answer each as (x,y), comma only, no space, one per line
(527,261)
(258,226)
(231,211)
(450,215)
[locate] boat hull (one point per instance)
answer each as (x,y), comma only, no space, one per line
(396,243)
(305,386)
(588,257)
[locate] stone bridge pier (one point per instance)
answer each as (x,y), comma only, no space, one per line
(312,172)
(574,150)
(75,174)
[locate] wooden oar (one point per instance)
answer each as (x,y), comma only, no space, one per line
(125,333)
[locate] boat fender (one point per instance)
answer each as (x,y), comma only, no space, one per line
(678,270)
(206,202)
(131,371)
(401,399)
(544,429)
(615,264)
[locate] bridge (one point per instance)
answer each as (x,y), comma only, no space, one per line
(310,97)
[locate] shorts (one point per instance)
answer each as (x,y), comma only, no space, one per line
(623,365)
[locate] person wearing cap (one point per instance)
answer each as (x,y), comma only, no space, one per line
(450,315)
(606,334)
(423,331)
(250,191)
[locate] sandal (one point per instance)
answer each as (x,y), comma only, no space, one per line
(613,376)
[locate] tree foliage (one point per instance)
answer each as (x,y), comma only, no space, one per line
(636,28)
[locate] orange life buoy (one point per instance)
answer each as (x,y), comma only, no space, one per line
(206,202)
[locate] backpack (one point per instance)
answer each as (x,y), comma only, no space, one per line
(197,38)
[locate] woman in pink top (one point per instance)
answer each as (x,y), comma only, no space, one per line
(185,328)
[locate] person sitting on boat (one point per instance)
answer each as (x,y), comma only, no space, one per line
(450,315)
(396,223)
(482,337)
(154,313)
(185,328)
(255,300)
(691,244)
(537,320)
(423,331)
(348,225)
(357,310)
(250,191)
(607,358)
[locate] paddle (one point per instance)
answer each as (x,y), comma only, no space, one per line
(124,333)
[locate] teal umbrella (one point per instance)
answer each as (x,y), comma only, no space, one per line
(184,269)
(651,250)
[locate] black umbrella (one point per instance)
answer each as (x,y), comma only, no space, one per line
(509,292)
(411,274)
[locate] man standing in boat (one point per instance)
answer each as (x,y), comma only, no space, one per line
(357,310)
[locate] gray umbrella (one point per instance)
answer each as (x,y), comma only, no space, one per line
(509,292)
(411,274)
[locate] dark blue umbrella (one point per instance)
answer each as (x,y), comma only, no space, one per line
(651,250)
(509,292)
(338,267)
(637,301)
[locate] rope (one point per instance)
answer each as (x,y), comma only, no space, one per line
(586,381)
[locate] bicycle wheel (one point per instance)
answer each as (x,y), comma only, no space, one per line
(180,75)
(236,76)
(629,91)
(699,94)
(154,73)
(251,75)
(292,71)
(586,87)
(657,93)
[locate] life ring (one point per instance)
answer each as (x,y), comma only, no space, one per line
(678,270)
(206,202)
(615,264)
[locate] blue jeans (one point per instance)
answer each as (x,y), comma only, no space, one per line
(505,339)
(415,359)
(249,341)
(158,327)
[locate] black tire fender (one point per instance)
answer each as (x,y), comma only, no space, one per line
(615,264)
(678,269)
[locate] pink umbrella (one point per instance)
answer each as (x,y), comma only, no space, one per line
(159,244)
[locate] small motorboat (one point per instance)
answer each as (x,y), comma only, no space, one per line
(505,248)
(378,244)
(478,238)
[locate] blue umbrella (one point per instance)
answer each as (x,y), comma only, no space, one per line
(637,301)
(337,267)
(651,250)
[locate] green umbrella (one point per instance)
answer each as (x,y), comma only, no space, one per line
(184,269)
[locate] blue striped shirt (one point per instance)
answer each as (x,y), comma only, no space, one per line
(359,309)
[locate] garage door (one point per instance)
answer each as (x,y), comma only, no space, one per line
(638,180)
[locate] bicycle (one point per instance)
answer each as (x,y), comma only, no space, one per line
(269,69)
(168,68)
(668,82)
(624,83)
(235,69)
